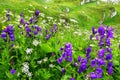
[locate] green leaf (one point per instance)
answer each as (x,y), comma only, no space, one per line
(45,48)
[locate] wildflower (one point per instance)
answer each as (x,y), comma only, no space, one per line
(72,78)
(25,67)
(29,50)
(101,30)
(82,67)
(29,74)
(22,21)
(110,70)
(31,20)
(75,64)
(110,64)
(108,43)
(79,58)
(99,72)
(93,75)
(21,14)
(64,55)
(59,60)
(12,71)
(63,70)
(61,49)
(39,62)
(100,62)
(37,13)
(45,59)
(3,35)
(109,56)
(93,30)
(48,36)
(109,50)
(110,32)
(88,51)
(35,43)
(93,63)
(101,53)
(10,31)
(51,65)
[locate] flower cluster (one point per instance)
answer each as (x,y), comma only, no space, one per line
(25,69)
(104,56)
(83,61)
(67,54)
(52,31)
(8,31)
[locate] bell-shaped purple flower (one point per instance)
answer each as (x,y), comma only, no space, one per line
(12,71)
(64,55)
(101,62)
(109,56)
(12,37)
(93,75)
(72,78)
(88,51)
(63,70)
(35,32)
(3,35)
(101,43)
(37,12)
(110,64)
(93,30)
(31,20)
(59,60)
(79,59)
(110,32)
(110,70)
(82,67)
(99,72)
(108,43)
(93,63)
(48,36)
(101,53)
(109,50)
(22,21)
(101,30)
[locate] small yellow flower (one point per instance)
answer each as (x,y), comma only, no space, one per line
(3,27)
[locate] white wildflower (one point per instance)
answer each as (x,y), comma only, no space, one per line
(35,43)
(25,67)
(45,59)
(29,50)
(92,45)
(29,74)
(39,62)
(51,65)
